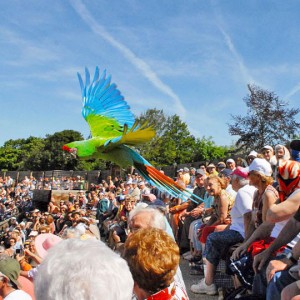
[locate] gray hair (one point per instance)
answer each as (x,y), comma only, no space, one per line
(78,270)
(242,181)
(157,218)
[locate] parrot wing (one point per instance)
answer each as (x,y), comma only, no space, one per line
(104,108)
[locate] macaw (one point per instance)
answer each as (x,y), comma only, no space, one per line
(113,129)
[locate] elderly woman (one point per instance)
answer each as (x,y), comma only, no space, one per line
(153,258)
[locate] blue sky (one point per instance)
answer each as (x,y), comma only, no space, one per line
(192,58)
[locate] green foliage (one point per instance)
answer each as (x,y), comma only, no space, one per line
(268,121)
(174,143)
(207,150)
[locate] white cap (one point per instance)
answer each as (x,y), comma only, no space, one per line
(262,166)
(253,153)
(230,160)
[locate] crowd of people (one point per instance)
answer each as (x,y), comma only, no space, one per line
(122,238)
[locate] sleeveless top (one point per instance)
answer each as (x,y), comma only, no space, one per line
(230,199)
(258,204)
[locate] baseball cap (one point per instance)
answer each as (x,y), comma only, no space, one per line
(226,172)
(262,166)
(240,171)
(253,153)
(11,269)
(200,172)
(267,147)
(230,160)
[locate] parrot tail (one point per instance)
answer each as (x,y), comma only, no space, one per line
(165,183)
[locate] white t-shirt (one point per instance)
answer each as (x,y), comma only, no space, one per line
(242,204)
(18,295)
(279,225)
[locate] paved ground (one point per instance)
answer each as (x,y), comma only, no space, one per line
(191,279)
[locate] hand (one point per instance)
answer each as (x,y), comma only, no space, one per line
(260,260)
(273,267)
(27,252)
(239,251)
(196,212)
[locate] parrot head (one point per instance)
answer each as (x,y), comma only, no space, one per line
(71,150)
(82,149)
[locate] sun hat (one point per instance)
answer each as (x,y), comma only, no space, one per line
(262,166)
(240,171)
(221,164)
(10,268)
(44,242)
(211,166)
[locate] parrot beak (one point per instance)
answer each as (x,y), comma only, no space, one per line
(72,151)
(66,148)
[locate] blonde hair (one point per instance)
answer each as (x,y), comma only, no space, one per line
(220,180)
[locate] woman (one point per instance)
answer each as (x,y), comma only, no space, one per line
(223,203)
(119,233)
(153,259)
(260,176)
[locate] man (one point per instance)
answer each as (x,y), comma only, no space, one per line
(221,166)
(218,242)
(193,212)
(192,178)
(143,189)
(135,192)
(9,273)
(230,163)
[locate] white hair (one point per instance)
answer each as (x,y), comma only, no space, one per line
(83,270)
(157,218)
(242,181)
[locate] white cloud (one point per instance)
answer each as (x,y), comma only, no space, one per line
(139,63)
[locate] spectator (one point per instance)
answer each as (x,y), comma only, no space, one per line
(219,242)
(76,270)
(9,273)
(153,258)
(230,163)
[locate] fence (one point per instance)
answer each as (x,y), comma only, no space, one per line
(94,176)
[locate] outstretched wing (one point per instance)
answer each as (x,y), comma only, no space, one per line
(104,108)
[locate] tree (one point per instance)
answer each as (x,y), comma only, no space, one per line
(207,150)
(268,121)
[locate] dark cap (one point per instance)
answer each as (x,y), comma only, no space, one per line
(226,172)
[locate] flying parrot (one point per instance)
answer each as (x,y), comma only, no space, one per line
(114,129)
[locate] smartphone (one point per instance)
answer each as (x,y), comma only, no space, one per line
(20,251)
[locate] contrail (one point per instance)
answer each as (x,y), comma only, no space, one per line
(293,91)
(248,78)
(129,55)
